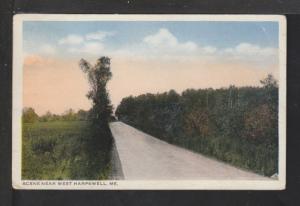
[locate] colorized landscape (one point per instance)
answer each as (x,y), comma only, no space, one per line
(157,102)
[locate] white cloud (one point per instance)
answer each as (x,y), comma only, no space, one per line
(165,40)
(250,50)
(91,43)
(250,54)
(99,35)
(93,48)
(209,49)
(47,49)
(163,44)
(162,37)
(74,39)
(71,39)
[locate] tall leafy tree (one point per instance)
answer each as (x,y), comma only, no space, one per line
(98,76)
(99,142)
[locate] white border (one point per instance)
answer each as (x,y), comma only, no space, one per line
(123,184)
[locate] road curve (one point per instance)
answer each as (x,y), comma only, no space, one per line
(144,157)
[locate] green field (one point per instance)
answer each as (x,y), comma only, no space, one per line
(60,150)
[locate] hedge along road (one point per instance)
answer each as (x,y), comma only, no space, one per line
(143,157)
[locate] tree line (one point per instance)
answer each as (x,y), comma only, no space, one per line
(238,125)
(30,116)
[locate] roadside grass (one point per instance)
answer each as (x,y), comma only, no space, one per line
(60,150)
(245,154)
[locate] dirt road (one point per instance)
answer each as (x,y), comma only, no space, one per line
(143,157)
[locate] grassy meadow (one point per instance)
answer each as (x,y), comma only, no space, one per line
(59,150)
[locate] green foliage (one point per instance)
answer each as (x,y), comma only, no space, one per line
(98,76)
(68,115)
(236,125)
(61,150)
(29,115)
(82,115)
(100,139)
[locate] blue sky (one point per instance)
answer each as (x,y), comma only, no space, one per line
(217,34)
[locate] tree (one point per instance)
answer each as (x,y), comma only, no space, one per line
(29,115)
(47,117)
(269,82)
(82,115)
(98,76)
(69,115)
(270,86)
(100,141)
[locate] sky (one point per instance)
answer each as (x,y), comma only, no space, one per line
(146,57)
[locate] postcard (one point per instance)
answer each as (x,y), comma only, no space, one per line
(163,102)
